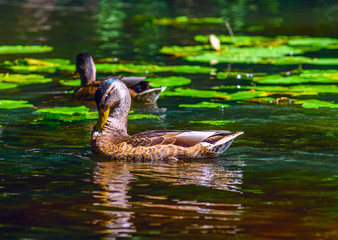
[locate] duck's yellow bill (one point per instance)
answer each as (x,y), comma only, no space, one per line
(103,117)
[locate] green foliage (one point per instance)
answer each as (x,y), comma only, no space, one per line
(186,20)
(168,81)
(7,85)
(205,105)
(315,42)
(24,49)
(213,122)
(71,82)
(315,103)
(13,104)
(19,79)
(73,114)
(298,88)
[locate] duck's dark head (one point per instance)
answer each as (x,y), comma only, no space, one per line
(85,66)
(112,99)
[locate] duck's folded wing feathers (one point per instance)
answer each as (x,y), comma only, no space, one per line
(174,137)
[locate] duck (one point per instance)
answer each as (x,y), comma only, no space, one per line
(110,138)
(138,88)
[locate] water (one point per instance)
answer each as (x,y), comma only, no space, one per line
(277,181)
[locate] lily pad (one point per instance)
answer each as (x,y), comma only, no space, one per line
(23,79)
(7,85)
(299,60)
(315,42)
(168,81)
(13,104)
(142,116)
(205,105)
(240,40)
(306,77)
(315,103)
(213,122)
(5,49)
(80,113)
(238,75)
(71,82)
(186,20)
(181,51)
(297,88)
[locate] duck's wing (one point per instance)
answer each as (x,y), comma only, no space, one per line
(181,138)
(87,92)
(132,81)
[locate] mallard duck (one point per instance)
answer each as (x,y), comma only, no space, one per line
(110,137)
(139,89)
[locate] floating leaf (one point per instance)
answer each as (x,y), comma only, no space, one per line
(238,75)
(184,92)
(23,79)
(213,122)
(7,85)
(205,105)
(305,77)
(142,116)
(238,40)
(24,49)
(297,88)
(315,42)
(64,110)
(13,104)
(314,103)
(186,20)
(72,83)
(299,60)
(168,81)
(181,51)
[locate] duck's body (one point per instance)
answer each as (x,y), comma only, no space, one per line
(110,137)
(139,89)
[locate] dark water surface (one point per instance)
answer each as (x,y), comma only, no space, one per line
(277,181)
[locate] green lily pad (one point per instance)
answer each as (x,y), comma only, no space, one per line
(315,42)
(245,54)
(24,49)
(299,60)
(168,81)
(186,20)
(240,40)
(297,88)
(142,116)
(23,79)
(194,93)
(65,110)
(238,75)
(213,122)
(73,114)
(71,82)
(314,103)
(205,105)
(13,104)
(306,77)
(181,51)
(7,85)
(35,65)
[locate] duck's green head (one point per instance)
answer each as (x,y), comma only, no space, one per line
(111,93)
(85,66)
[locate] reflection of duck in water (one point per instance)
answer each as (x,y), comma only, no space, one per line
(110,137)
(139,89)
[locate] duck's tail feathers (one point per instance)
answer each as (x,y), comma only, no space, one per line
(150,95)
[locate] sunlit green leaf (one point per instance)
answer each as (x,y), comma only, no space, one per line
(65,110)
(13,104)
(299,60)
(194,93)
(297,88)
(315,103)
(168,81)
(213,122)
(186,20)
(305,77)
(24,49)
(71,82)
(181,51)
(205,105)
(238,75)
(142,116)
(7,85)
(23,79)
(315,41)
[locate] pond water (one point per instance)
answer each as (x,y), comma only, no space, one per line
(277,181)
